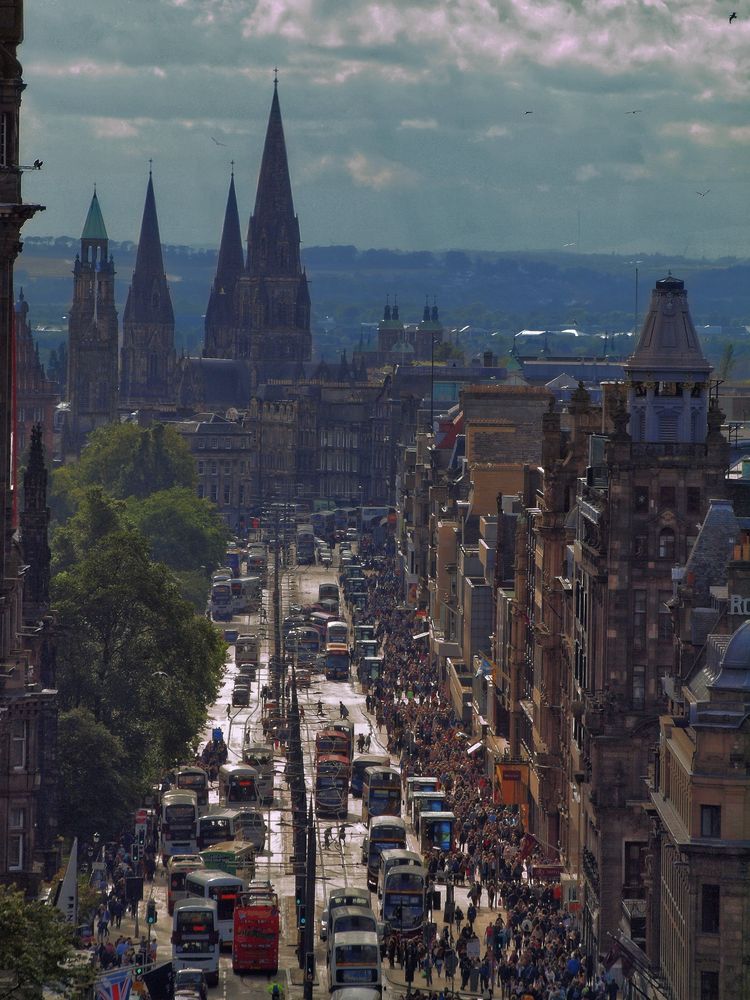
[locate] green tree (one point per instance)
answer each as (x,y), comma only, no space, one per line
(183,531)
(96,516)
(128,460)
(97,790)
(36,945)
(134,653)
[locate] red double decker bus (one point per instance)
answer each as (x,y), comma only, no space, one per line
(255,945)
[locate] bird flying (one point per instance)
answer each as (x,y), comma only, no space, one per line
(637,111)
(528,112)
(217,142)
(733,16)
(38,164)
(703,194)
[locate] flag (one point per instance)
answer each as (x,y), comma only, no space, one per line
(115,985)
(66,897)
(528,843)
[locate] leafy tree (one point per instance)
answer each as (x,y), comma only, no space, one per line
(97,790)
(35,944)
(183,531)
(97,515)
(134,653)
(127,460)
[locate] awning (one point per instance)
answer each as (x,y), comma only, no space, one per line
(474,747)
(420,635)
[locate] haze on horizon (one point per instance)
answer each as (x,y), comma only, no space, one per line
(406,122)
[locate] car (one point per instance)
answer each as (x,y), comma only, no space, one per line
(191,982)
(303,678)
(352,534)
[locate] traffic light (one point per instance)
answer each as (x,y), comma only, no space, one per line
(299,894)
(310,967)
(302,916)
(151,911)
(135,850)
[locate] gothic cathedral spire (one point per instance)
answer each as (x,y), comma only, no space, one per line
(92,329)
(148,356)
(219,325)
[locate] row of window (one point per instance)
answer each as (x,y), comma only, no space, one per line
(212,468)
(640,617)
(668,498)
(227,442)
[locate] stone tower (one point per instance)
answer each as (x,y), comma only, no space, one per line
(92,332)
(647,488)
(34,528)
(272,301)
(221,325)
(147,374)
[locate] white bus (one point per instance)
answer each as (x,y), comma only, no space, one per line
(238,785)
(223,889)
(337,632)
(179,817)
(195,938)
(259,756)
(355,960)
(348,918)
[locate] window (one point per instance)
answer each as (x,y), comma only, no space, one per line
(227,492)
(201,468)
(634,862)
(667,496)
(19,734)
(4,139)
(640,546)
(227,468)
(666,543)
(709,985)
(640,499)
(710,821)
(17,818)
(201,443)
(693,502)
(639,685)
(201,491)
(665,618)
(639,617)
(214,468)
(214,492)
(242,494)
(15,852)
(710,908)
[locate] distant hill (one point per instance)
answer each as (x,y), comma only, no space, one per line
(487,292)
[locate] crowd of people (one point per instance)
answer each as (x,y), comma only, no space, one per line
(530,948)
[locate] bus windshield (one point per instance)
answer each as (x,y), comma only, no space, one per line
(179,816)
(226,897)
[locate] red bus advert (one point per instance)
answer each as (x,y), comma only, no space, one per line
(255,947)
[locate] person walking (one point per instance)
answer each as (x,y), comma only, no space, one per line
(320,708)
(343,710)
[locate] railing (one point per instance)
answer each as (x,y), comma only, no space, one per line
(591,869)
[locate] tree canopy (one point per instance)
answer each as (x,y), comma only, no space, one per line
(36,945)
(184,532)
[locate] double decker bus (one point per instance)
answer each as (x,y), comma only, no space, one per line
(215,827)
(195,937)
(355,960)
(381,793)
(305,541)
(220,603)
(337,662)
(193,779)
(259,756)
(348,896)
(331,741)
(257,563)
(223,889)
(349,918)
(303,642)
(255,947)
(404,899)
(360,765)
(337,632)
(179,817)
(238,785)
(247,593)
(386,833)
(179,867)
(346,727)
(332,785)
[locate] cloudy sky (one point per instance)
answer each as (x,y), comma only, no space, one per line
(405,120)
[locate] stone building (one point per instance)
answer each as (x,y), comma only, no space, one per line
(36,395)
(147,368)
(92,334)
(259,308)
(28,708)
(646,487)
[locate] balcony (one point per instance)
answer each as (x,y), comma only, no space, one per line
(591,870)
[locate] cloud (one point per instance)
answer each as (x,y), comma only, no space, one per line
(113,128)
(587,172)
(379,175)
(420,124)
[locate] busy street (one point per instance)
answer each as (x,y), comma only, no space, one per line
(466,917)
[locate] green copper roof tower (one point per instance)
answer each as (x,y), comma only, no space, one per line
(94,228)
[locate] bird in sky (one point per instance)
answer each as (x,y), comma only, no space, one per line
(733,16)
(217,142)
(528,112)
(703,194)
(637,111)
(38,164)
(568,245)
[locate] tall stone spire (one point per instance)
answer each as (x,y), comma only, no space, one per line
(219,339)
(92,333)
(272,306)
(148,354)
(34,528)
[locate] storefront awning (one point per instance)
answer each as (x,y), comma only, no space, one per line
(474,747)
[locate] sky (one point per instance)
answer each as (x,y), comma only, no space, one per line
(406,122)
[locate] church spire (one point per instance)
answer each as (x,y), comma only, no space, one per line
(219,340)
(273,234)
(148,299)
(231,258)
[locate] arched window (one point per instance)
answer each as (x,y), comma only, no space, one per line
(666,543)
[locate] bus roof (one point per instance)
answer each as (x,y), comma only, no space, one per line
(348,892)
(190,769)
(376,822)
(377,772)
(357,937)
(179,797)
(208,876)
(404,856)
(195,903)
(230,769)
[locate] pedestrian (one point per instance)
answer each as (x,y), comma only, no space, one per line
(471,915)
(342,834)
(327,836)
(368,743)
(320,708)
(343,710)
